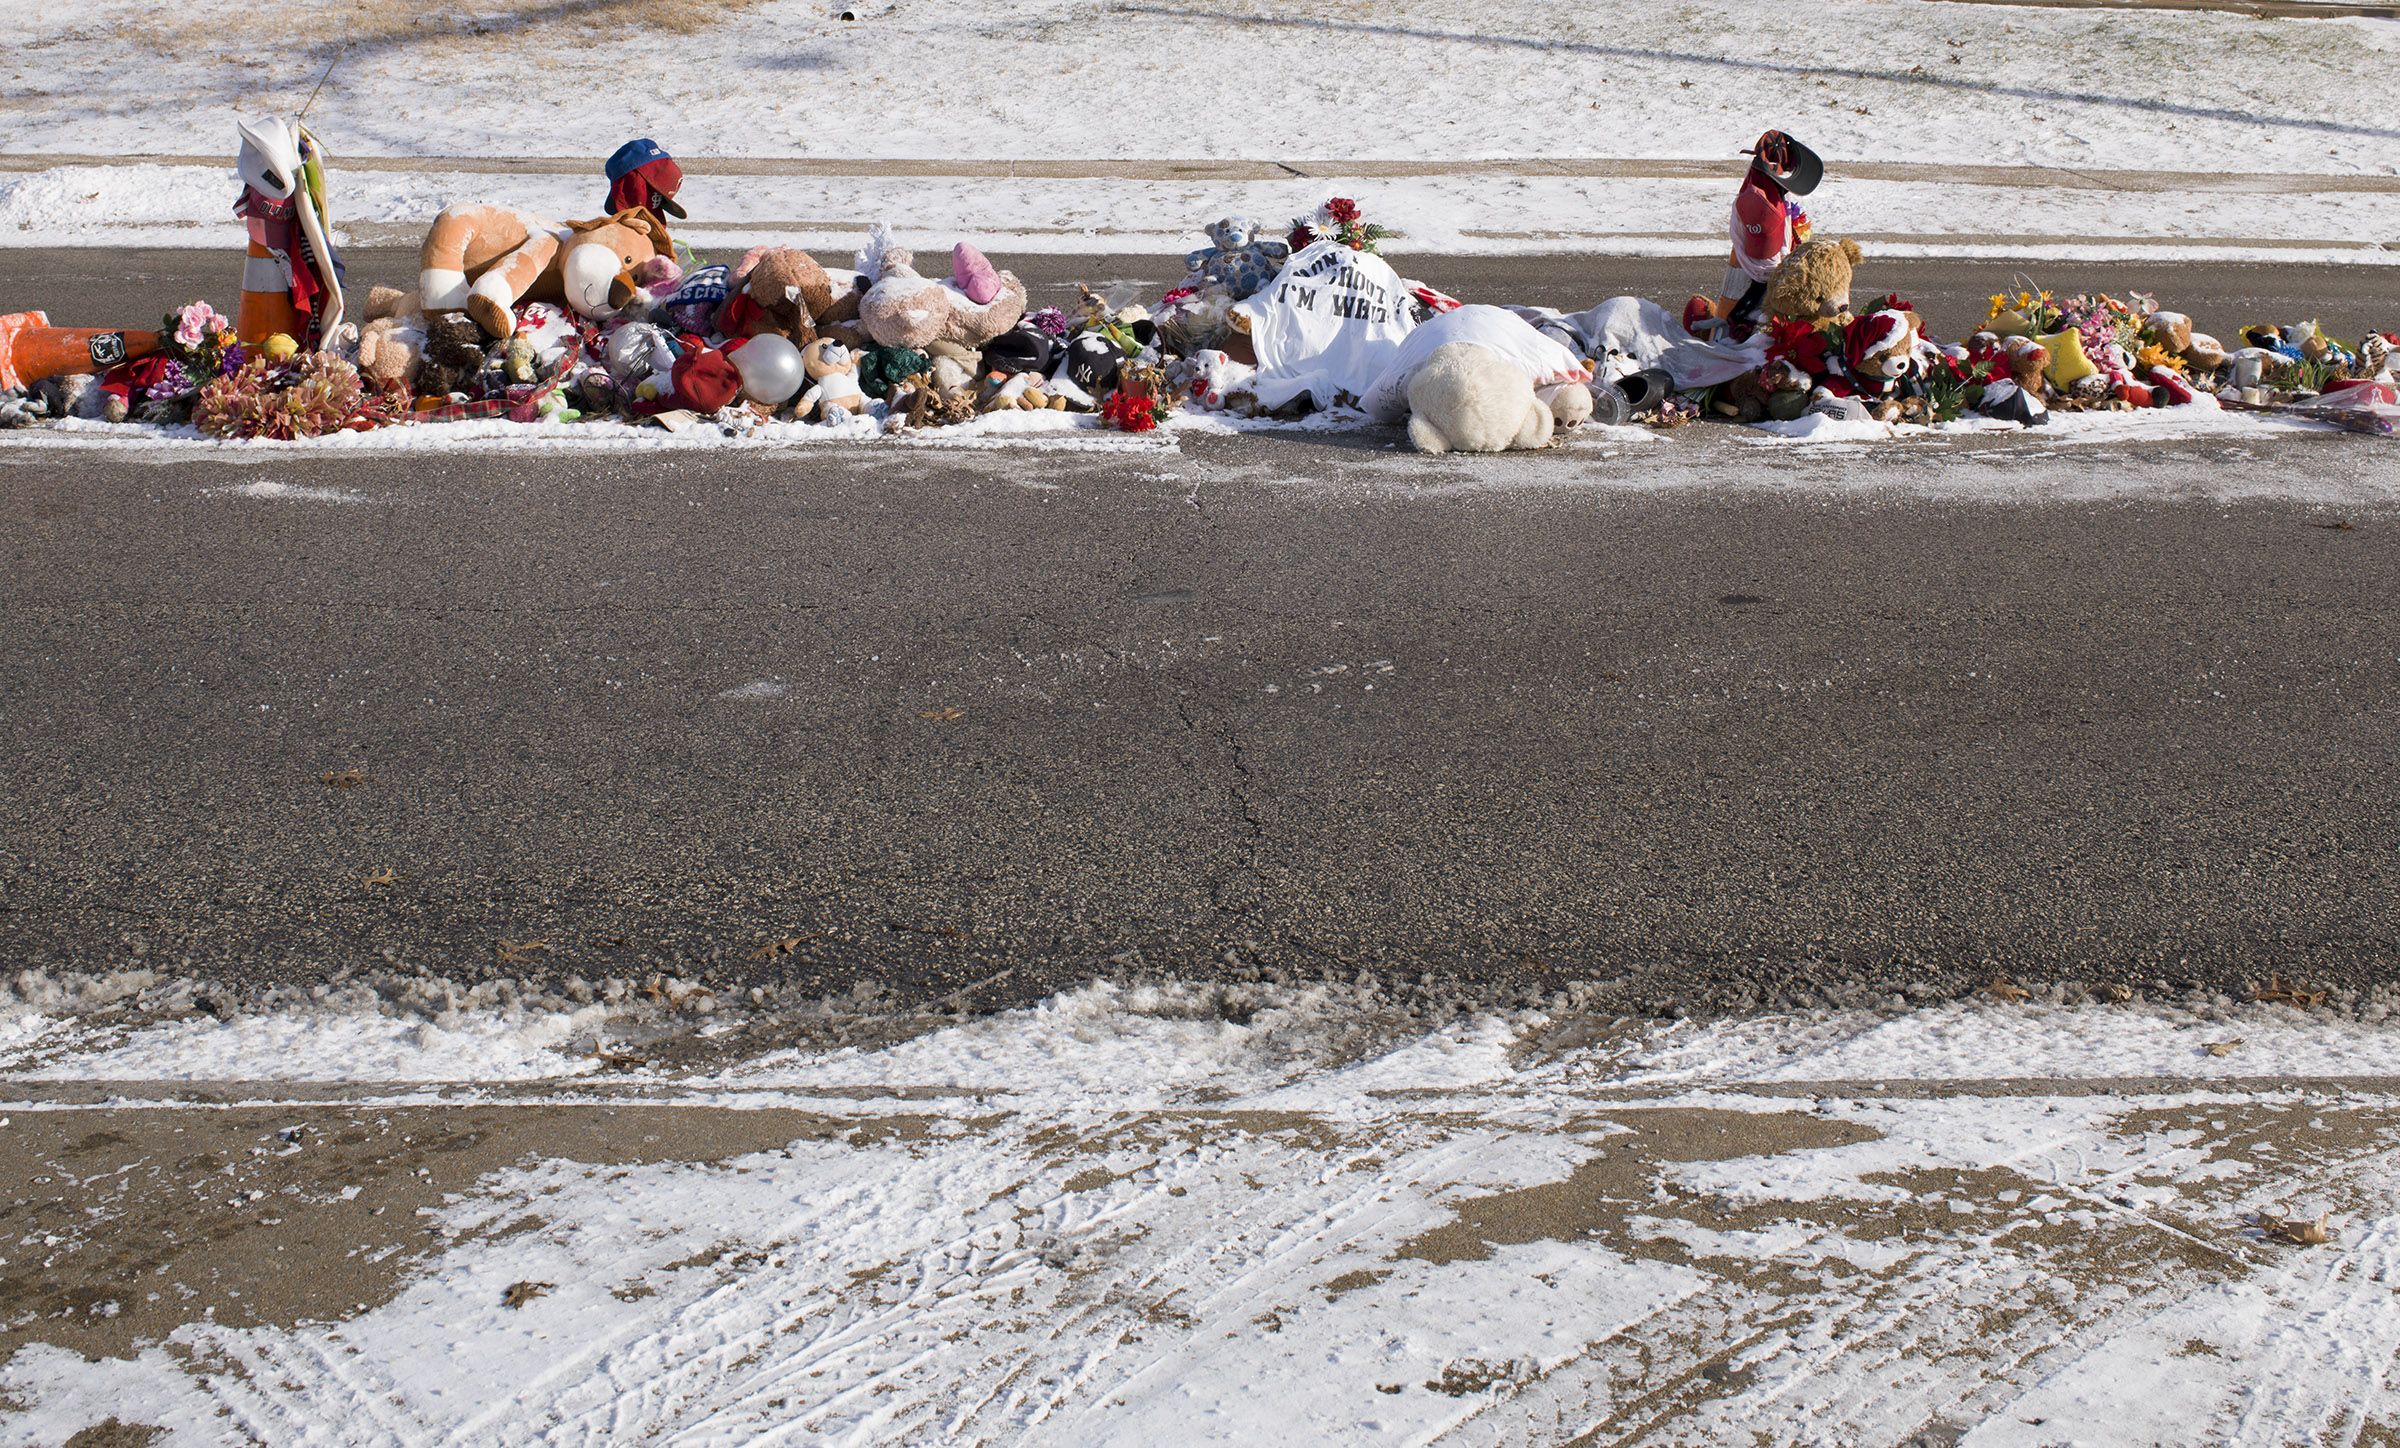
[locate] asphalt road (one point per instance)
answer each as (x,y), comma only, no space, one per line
(1699,720)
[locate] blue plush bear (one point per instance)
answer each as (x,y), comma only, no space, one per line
(1238,260)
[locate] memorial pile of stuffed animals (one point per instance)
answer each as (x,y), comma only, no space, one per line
(549,324)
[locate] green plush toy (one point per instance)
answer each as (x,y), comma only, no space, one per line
(880,369)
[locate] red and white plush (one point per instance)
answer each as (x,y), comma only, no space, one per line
(1880,348)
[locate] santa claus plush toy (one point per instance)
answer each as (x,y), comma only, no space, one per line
(1880,351)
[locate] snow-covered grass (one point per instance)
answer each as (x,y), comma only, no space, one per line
(1313,86)
(1293,80)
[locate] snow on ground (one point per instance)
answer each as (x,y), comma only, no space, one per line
(1143,1214)
(2065,435)
(1472,214)
(1036,430)
(1140,1047)
(1291,80)
(1309,86)
(328,1046)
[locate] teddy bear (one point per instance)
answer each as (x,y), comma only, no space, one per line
(1880,350)
(2374,357)
(951,372)
(1786,388)
(453,355)
(946,355)
(1236,259)
(2172,333)
(537,348)
(833,393)
(1813,283)
(901,308)
(1570,403)
(1469,398)
(391,343)
(2028,362)
(1213,381)
(778,289)
(483,260)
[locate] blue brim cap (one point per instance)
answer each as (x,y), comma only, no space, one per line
(633,155)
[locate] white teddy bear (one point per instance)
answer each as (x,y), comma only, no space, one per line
(1468,398)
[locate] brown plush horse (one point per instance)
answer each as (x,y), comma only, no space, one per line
(483,260)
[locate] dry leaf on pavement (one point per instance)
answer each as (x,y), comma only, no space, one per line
(2292,995)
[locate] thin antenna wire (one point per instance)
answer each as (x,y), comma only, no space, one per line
(328,75)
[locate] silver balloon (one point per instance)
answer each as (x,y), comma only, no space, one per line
(770,368)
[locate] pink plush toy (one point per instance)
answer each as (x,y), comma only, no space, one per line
(971,272)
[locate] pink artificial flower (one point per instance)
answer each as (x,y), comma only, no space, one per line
(196,323)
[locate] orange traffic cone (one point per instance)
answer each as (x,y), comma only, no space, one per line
(266,299)
(31,349)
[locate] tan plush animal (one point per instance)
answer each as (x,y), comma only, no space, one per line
(1813,283)
(902,308)
(778,289)
(2173,331)
(483,260)
(392,342)
(833,391)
